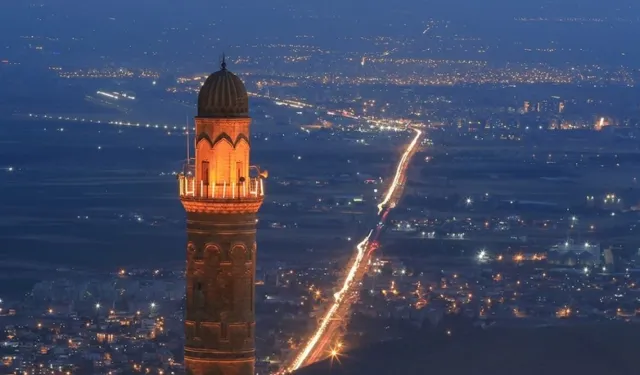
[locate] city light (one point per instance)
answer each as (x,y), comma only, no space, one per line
(448,216)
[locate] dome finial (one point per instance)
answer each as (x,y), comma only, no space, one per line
(223,66)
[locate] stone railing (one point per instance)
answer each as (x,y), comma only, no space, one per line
(251,188)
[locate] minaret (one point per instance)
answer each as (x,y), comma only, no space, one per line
(221,194)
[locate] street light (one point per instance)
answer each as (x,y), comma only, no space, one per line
(482,255)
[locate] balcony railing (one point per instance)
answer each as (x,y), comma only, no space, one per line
(251,188)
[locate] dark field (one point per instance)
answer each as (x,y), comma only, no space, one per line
(99,197)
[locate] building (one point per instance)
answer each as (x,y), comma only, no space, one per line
(570,253)
(609,259)
(221,194)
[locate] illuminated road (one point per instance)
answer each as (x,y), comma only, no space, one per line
(383,123)
(321,343)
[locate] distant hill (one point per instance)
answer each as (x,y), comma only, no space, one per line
(609,349)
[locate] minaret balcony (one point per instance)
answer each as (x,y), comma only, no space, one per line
(246,189)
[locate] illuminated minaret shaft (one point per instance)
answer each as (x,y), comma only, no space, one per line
(221,200)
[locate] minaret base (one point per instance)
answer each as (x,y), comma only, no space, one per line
(220,279)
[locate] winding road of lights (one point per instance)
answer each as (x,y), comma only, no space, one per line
(313,341)
(396,177)
(357,263)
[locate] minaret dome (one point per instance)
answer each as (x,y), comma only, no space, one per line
(223,95)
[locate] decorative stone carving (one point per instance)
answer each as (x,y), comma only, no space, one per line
(221,206)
